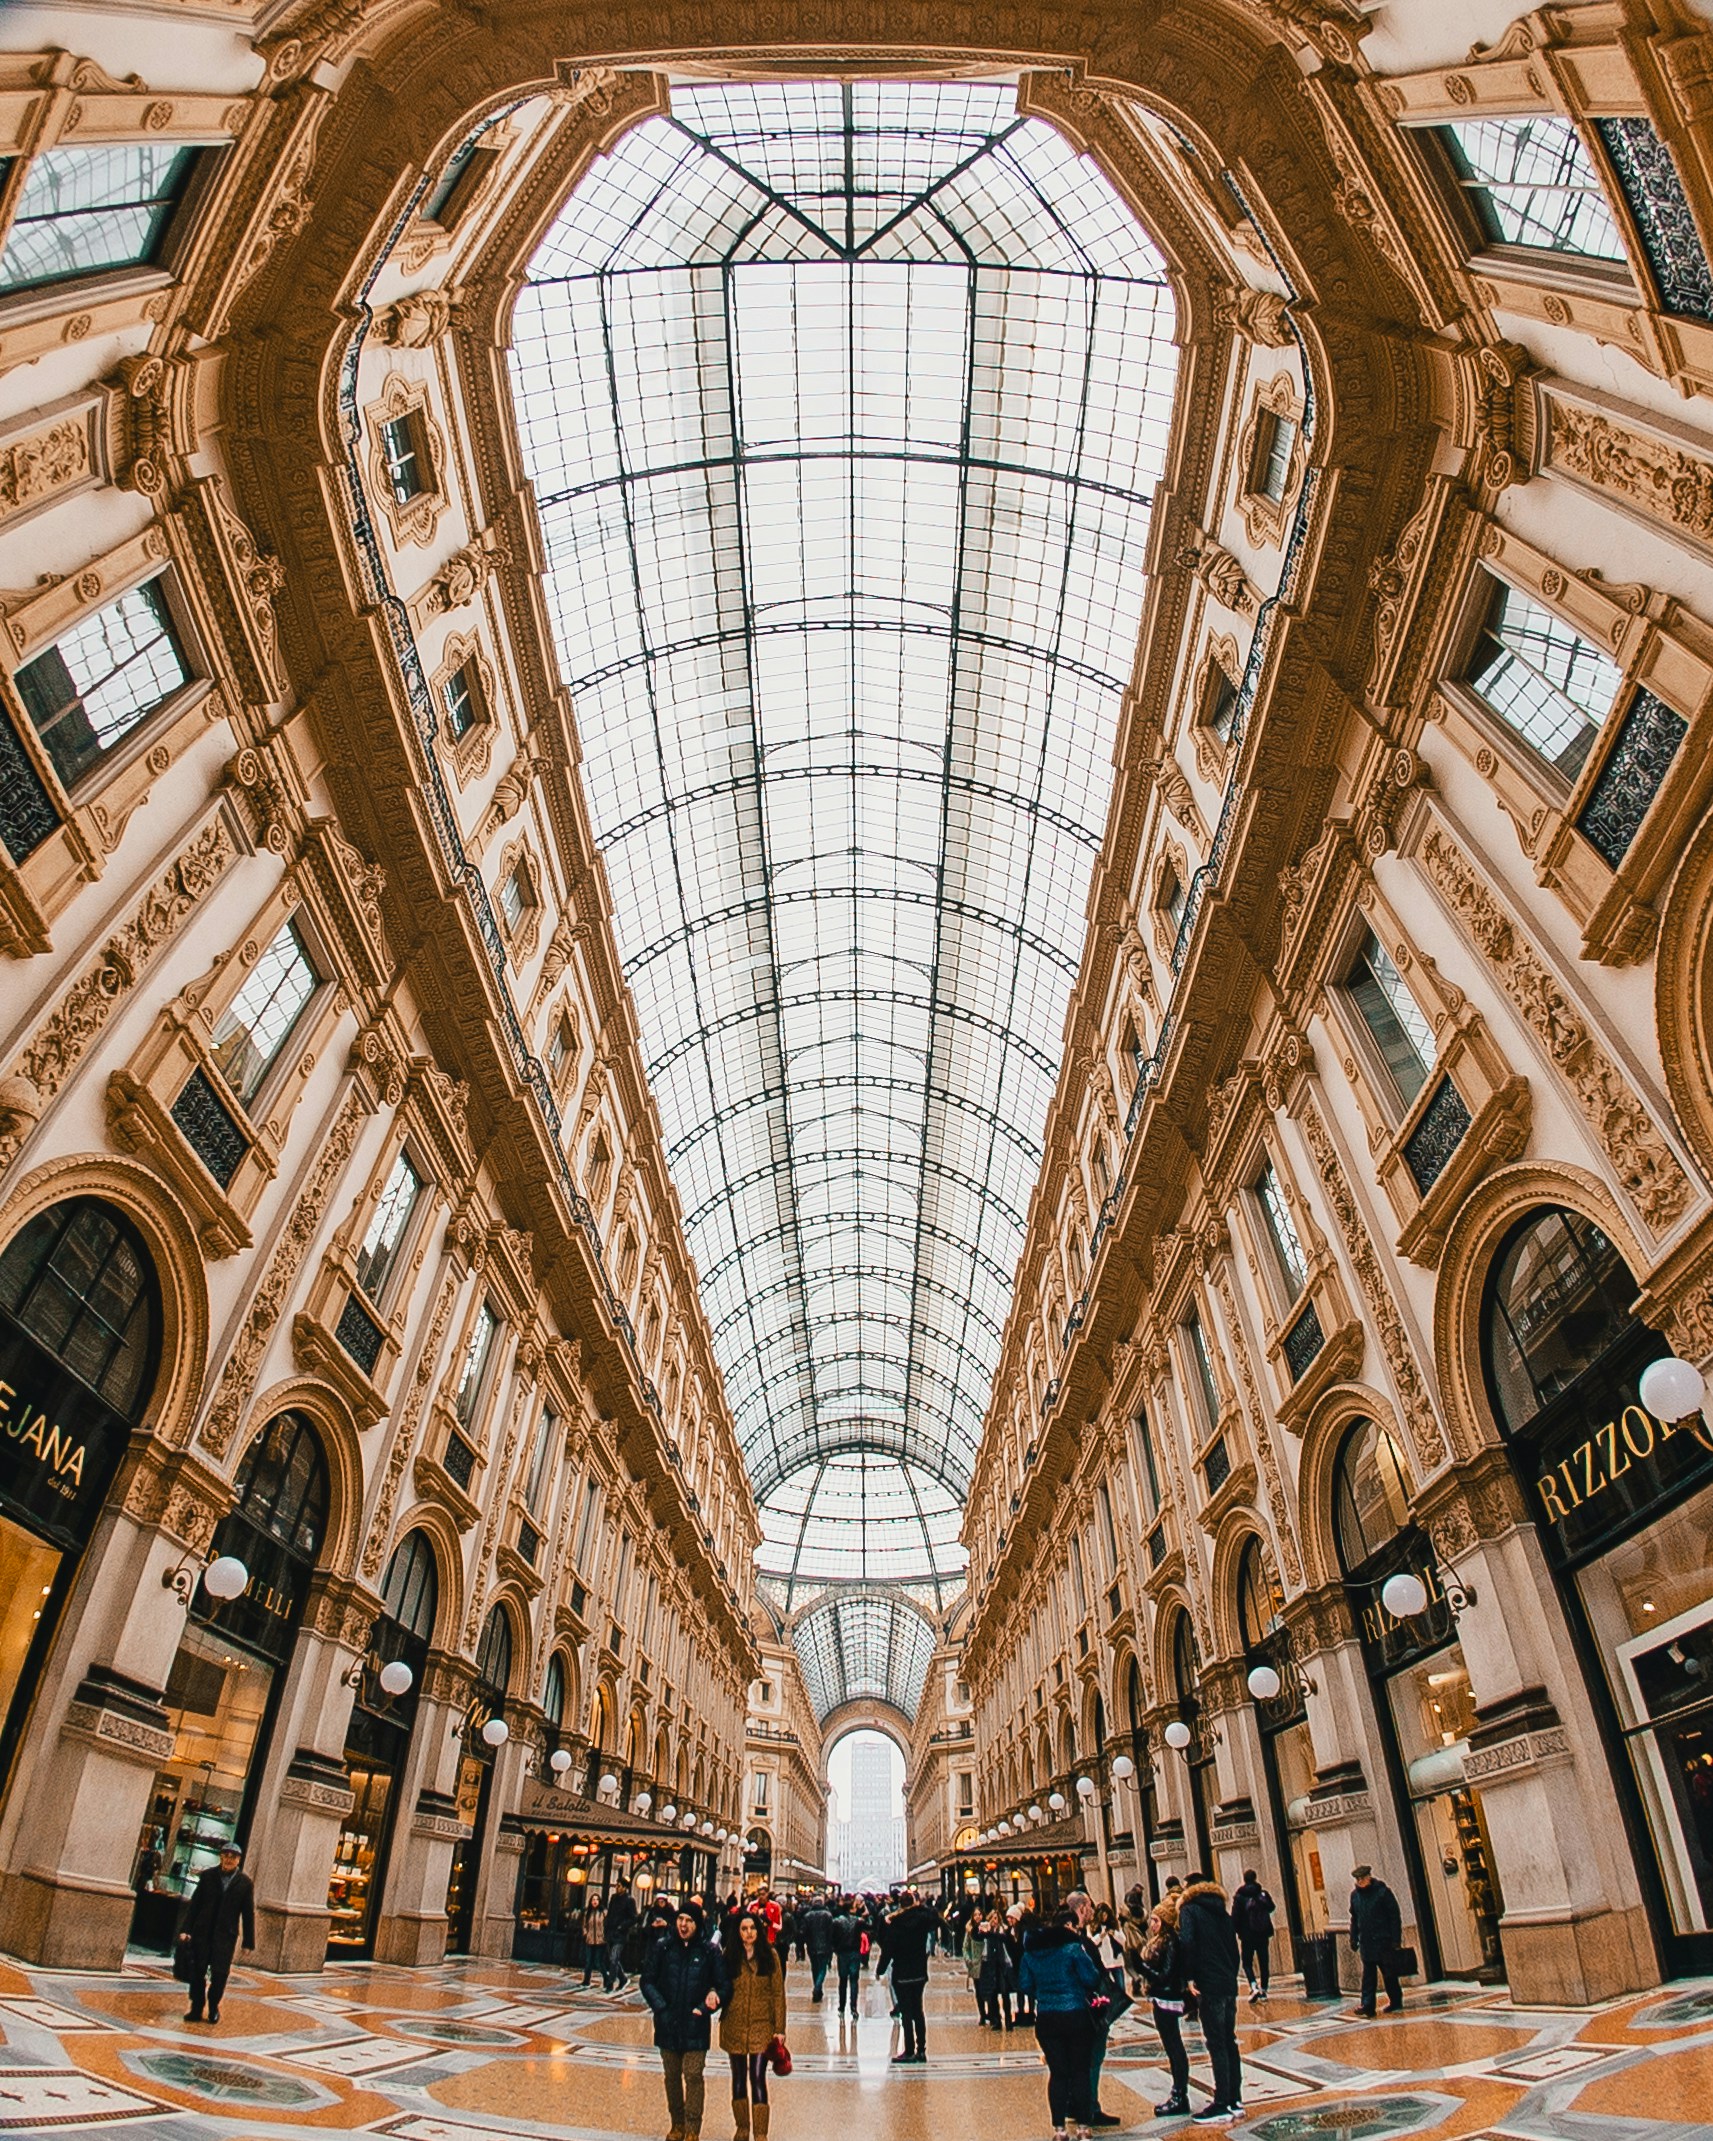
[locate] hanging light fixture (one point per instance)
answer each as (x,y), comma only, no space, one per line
(1178,1734)
(1085,1787)
(1264,1683)
(1672,1389)
(1123,1768)
(396,1677)
(1056,1800)
(1404,1595)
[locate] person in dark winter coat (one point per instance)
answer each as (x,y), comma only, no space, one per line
(908,1934)
(222,1905)
(1209,1946)
(846,1933)
(1160,1960)
(1061,1977)
(621,1917)
(815,1927)
(681,1983)
(1252,1916)
(1376,1933)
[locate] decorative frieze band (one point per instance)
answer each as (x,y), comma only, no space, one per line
(1426,1434)
(1645,470)
(238,1377)
(1643,1162)
(59,1044)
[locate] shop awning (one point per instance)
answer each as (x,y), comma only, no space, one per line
(542,1807)
(1054,1839)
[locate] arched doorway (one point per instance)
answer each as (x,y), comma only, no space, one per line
(223,1691)
(1287,1753)
(1198,1755)
(1623,1502)
(1142,1781)
(377,1743)
(80,1335)
(1425,1708)
(476,1775)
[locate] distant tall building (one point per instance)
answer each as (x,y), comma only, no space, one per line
(868,1848)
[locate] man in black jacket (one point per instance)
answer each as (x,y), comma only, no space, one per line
(815,1929)
(680,1982)
(223,1902)
(1207,1943)
(621,1917)
(908,1932)
(846,1936)
(1376,1933)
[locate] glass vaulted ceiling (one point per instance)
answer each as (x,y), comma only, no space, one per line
(844,406)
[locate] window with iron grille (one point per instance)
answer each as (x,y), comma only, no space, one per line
(1303,1343)
(210,1128)
(1438,1133)
(359,1334)
(27,813)
(460,1460)
(1642,754)
(103,678)
(1216,1465)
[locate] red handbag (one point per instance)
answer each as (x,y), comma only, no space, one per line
(779,2056)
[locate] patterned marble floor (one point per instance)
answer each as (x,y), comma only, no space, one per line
(481,2051)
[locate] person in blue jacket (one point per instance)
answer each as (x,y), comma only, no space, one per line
(1067,1986)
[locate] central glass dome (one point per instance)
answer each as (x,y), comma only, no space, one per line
(845,404)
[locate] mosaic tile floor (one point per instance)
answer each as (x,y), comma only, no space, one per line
(482,2051)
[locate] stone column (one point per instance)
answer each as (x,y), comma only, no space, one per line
(304,1793)
(426,1828)
(1573,1925)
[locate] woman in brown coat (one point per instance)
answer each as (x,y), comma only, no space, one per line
(752,2014)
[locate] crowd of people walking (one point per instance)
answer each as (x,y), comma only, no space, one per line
(1068,1973)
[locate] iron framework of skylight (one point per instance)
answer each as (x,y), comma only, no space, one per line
(863,1645)
(844,406)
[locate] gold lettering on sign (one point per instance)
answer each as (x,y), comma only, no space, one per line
(54,1446)
(1612,1450)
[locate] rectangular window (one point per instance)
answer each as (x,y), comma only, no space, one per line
(966,1792)
(406,464)
(586,1524)
(450,198)
(546,1435)
(458,695)
(258,1022)
(1273,448)
(109,673)
(85,210)
(1392,1016)
(514,898)
(476,1357)
(1195,1339)
(1281,1231)
(1078,1581)
(621,1578)
(1172,901)
(1545,681)
(1219,709)
(380,1248)
(760,1800)
(1108,1530)
(1150,1476)
(1532,183)
(558,1051)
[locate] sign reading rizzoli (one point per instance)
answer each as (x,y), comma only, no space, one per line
(1591,1484)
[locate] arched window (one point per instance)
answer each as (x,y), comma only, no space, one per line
(1558,1299)
(1185,1663)
(1259,1602)
(1068,1744)
(1370,1495)
(275,1529)
(553,1694)
(1135,1700)
(404,1628)
(494,1656)
(78,1279)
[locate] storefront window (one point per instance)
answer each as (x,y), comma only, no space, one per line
(377,1742)
(221,1687)
(476,1775)
(1433,1708)
(1624,1505)
(79,1343)
(1293,1754)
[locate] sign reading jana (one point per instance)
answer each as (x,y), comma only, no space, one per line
(59,1442)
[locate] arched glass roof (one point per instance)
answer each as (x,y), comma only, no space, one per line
(864,1644)
(844,406)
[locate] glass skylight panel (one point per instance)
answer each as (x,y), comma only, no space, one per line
(845,496)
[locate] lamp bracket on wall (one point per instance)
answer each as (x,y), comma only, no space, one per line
(222,1578)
